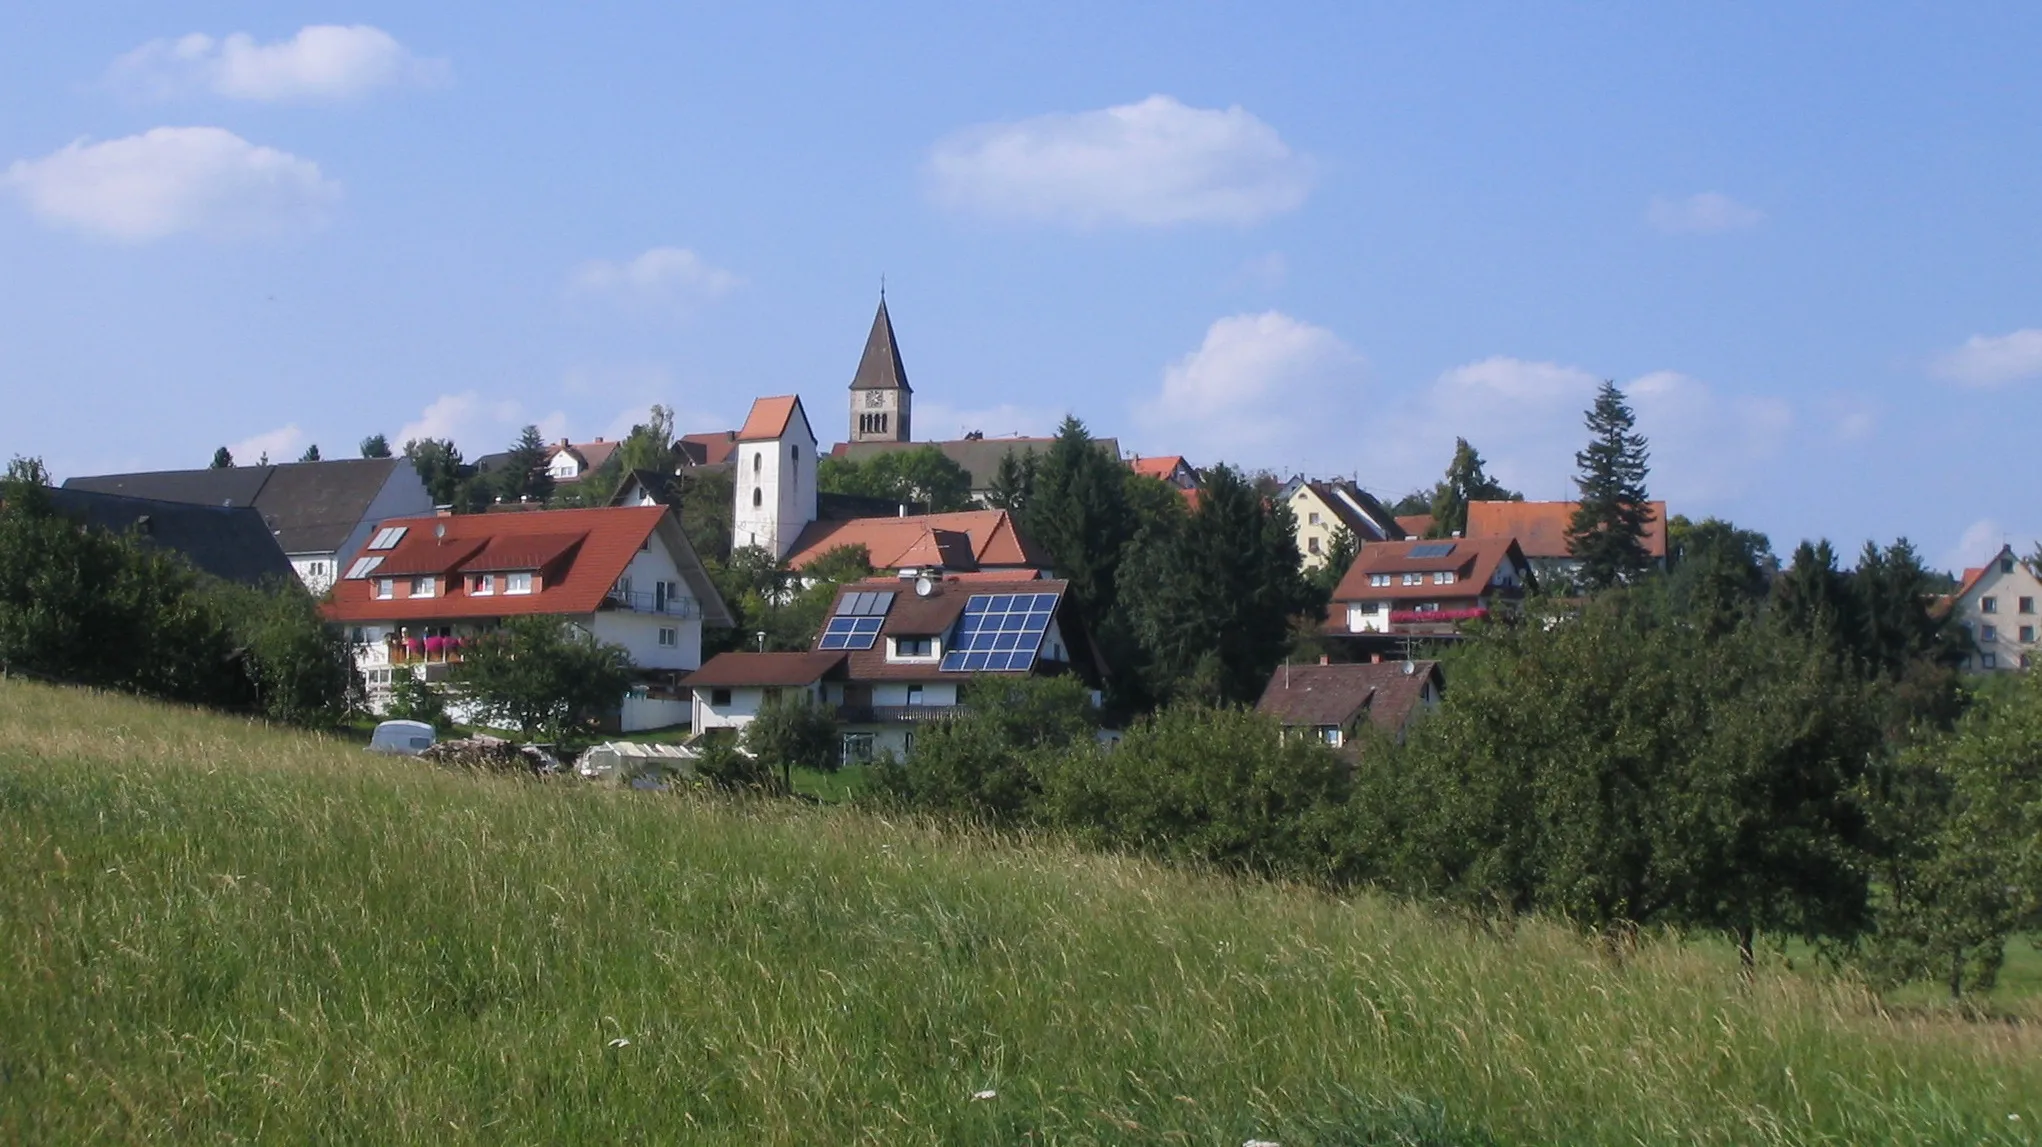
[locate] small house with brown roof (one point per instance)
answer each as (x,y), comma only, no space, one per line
(895,653)
(422,587)
(1331,703)
(1540,530)
(1996,605)
(569,462)
(1427,588)
(966,541)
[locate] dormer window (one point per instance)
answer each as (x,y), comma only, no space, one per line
(914,649)
(424,586)
(1443,577)
(485,585)
(386,588)
(520,582)
(1414,579)
(1379,579)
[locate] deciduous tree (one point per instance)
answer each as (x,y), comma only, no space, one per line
(540,673)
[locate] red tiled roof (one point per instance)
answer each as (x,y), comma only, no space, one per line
(1541,527)
(1415,525)
(769,418)
(716,445)
(1472,560)
(738,669)
(1162,466)
(917,540)
(609,538)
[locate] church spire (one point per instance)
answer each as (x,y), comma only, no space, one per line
(880,368)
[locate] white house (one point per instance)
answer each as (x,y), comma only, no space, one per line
(775,476)
(1996,605)
(422,587)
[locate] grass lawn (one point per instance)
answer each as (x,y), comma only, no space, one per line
(212,931)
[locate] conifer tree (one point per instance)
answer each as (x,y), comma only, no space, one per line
(1608,531)
(1466,481)
(1013,481)
(1077,512)
(222,459)
(311,453)
(524,474)
(375,446)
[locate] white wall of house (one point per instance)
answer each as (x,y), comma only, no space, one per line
(315,570)
(2003,633)
(744,704)
(641,636)
(642,713)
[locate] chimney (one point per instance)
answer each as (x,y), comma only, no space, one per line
(443,511)
(563,443)
(1375,659)
(1325,660)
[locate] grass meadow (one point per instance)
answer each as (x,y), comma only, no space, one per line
(216,932)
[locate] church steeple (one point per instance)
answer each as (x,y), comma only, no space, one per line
(880,395)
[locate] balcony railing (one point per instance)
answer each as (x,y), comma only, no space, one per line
(889,714)
(665,605)
(1420,616)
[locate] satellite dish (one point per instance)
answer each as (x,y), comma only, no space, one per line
(440,530)
(1410,667)
(924,586)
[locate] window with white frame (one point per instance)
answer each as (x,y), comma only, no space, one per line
(1379,579)
(520,582)
(858,748)
(669,636)
(425,585)
(1443,577)
(1414,579)
(386,588)
(1312,518)
(485,585)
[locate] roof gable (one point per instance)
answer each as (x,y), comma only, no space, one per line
(312,507)
(228,542)
(989,539)
(773,418)
(1314,696)
(1474,562)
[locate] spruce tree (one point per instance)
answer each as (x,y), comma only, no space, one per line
(1078,514)
(375,446)
(311,453)
(1608,531)
(1466,481)
(524,474)
(1013,481)
(222,459)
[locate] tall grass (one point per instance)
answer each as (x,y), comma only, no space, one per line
(212,931)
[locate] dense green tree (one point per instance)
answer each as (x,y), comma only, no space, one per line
(788,607)
(539,673)
(1152,501)
(222,459)
(1626,767)
(1466,481)
(706,500)
(439,466)
(1879,618)
(1325,577)
(794,731)
(1961,817)
(375,446)
(1078,513)
(1013,481)
(922,476)
(300,668)
(1413,504)
(1607,532)
(524,474)
(989,764)
(412,698)
(311,453)
(650,445)
(1718,572)
(1210,601)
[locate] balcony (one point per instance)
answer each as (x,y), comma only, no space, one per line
(664,605)
(898,714)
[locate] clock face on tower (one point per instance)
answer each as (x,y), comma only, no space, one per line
(875,398)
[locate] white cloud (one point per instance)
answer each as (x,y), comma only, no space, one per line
(1707,447)
(321,62)
(1256,387)
(477,425)
(1978,543)
(1993,360)
(660,279)
(1703,214)
(170,180)
(1153,163)
(279,445)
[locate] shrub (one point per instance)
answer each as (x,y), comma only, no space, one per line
(792,731)
(985,765)
(412,699)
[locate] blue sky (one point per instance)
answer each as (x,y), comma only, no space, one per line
(1322,238)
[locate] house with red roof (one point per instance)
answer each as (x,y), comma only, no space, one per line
(1996,605)
(896,653)
(1540,531)
(568,462)
(421,587)
(1421,588)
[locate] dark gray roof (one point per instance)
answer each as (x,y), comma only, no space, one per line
(228,542)
(980,457)
(1360,511)
(310,506)
(880,368)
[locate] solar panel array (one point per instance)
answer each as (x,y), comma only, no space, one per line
(387,537)
(1431,550)
(874,604)
(363,567)
(850,632)
(859,617)
(999,632)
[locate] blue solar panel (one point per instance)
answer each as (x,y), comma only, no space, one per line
(1431,550)
(999,632)
(850,633)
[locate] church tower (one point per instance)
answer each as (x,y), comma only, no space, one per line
(881,398)
(775,480)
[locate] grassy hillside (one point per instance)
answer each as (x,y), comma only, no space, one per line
(210,931)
